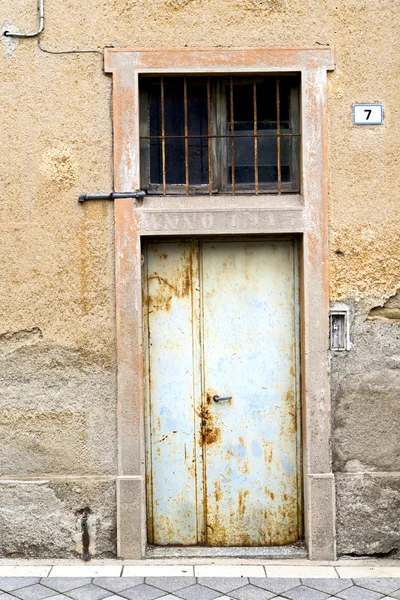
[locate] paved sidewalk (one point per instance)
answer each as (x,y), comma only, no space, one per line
(197,588)
(199,581)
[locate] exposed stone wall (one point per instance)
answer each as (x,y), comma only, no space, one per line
(57,328)
(58,456)
(366,425)
(58,413)
(44,517)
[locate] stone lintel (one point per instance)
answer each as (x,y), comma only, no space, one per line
(236,221)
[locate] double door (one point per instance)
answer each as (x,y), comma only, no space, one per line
(222,392)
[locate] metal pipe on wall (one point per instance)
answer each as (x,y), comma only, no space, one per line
(41,25)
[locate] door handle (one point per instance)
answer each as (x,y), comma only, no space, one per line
(219,399)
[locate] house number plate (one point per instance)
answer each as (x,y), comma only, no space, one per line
(367,114)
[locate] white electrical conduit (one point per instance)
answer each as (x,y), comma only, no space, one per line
(41,25)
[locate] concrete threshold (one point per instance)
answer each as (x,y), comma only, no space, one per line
(294,551)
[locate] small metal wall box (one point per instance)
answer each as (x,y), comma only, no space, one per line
(339,327)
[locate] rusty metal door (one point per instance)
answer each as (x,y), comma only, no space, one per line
(222,414)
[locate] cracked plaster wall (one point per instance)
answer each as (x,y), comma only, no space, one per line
(59,373)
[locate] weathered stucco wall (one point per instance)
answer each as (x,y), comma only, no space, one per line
(57,333)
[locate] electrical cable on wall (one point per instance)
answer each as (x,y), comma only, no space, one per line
(7,33)
(69,51)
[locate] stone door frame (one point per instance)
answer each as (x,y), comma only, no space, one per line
(304,214)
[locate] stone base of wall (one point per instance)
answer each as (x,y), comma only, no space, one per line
(368,509)
(366,440)
(58,448)
(42,519)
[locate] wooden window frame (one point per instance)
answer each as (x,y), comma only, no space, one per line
(219,147)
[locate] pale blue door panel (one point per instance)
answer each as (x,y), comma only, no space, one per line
(171,441)
(249,353)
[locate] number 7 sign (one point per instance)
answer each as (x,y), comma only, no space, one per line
(367,114)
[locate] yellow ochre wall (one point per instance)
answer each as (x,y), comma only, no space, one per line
(57,321)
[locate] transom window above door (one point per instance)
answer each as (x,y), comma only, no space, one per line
(218,134)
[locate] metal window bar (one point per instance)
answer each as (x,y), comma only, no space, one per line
(185,104)
(278,132)
(255,137)
(210,136)
(232,135)
(209,131)
(164,174)
(215,136)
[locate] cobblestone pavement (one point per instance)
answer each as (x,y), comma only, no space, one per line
(196,588)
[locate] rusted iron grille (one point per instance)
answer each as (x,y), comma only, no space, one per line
(208,135)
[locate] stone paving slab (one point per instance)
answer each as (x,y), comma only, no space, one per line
(359,593)
(33,592)
(309,572)
(278,585)
(118,584)
(158,571)
(229,571)
(24,571)
(171,584)
(358,572)
(7,584)
(64,584)
(303,592)
(251,592)
(223,584)
(197,592)
(86,571)
(88,592)
(379,585)
(330,586)
(142,592)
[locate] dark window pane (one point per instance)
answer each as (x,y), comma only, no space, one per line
(243,114)
(197,125)
(173,106)
(267,159)
(284,89)
(175,161)
(155,161)
(285,152)
(198,161)
(244,158)
(197,105)
(243,175)
(155,109)
(266,104)
(243,105)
